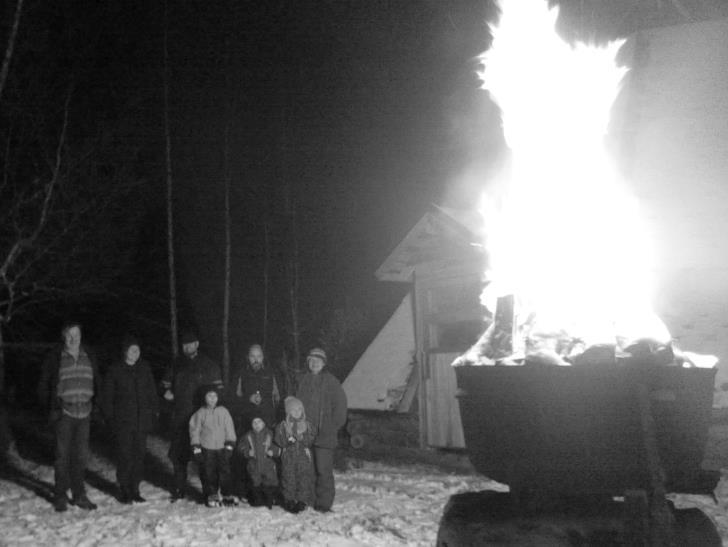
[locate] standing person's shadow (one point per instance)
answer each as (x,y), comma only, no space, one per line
(35,444)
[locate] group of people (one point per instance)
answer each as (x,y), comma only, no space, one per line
(232,432)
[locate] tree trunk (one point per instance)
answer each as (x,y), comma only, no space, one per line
(11,46)
(293,261)
(266,281)
(6,436)
(226,280)
(295,327)
(2,364)
(170,212)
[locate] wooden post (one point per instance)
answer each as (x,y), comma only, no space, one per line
(661,519)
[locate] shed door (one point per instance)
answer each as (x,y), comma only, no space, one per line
(444,428)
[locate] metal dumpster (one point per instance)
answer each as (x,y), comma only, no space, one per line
(577,430)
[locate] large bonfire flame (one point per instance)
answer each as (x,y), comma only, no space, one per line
(565,240)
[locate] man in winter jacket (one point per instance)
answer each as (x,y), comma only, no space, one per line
(325,403)
(190,372)
(253,391)
(130,405)
(69,381)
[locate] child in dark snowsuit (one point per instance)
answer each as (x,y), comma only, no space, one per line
(258,448)
(212,436)
(294,436)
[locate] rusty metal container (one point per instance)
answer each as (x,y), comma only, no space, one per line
(575,430)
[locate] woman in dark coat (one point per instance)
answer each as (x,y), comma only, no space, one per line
(130,406)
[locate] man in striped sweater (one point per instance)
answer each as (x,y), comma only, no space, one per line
(69,381)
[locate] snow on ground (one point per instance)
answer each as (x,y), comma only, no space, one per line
(376,504)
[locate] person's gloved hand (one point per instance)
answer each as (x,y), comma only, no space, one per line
(168,395)
(229,450)
(197,453)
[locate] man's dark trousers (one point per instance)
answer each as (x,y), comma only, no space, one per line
(323,459)
(72,436)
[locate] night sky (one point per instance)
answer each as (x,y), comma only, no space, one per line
(355,115)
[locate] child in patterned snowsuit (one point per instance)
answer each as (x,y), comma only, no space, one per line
(294,436)
(257,446)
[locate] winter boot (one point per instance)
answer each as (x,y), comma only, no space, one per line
(290,506)
(124,496)
(268,496)
(137,498)
(177,494)
(299,506)
(255,496)
(60,503)
(230,501)
(82,502)
(213,500)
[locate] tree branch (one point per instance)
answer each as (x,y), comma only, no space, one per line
(10,47)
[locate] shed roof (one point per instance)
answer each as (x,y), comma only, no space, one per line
(441,234)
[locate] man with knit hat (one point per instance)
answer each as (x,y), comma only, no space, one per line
(325,403)
(190,371)
(68,384)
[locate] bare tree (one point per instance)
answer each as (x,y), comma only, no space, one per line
(170,209)
(294,286)
(228,252)
(11,46)
(20,249)
(3,78)
(266,280)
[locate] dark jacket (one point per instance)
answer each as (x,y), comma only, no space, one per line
(261,467)
(263,381)
(186,379)
(48,384)
(325,403)
(129,396)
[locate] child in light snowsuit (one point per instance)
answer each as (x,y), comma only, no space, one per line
(258,448)
(294,436)
(212,436)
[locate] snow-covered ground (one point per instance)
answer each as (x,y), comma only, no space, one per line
(376,505)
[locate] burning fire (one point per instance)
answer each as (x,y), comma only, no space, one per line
(566,239)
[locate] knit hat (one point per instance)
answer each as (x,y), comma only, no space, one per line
(188,337)
(317,352)
(291,403)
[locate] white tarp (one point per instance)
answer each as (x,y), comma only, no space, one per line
(379,377)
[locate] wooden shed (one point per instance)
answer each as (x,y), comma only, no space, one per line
(407,368)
